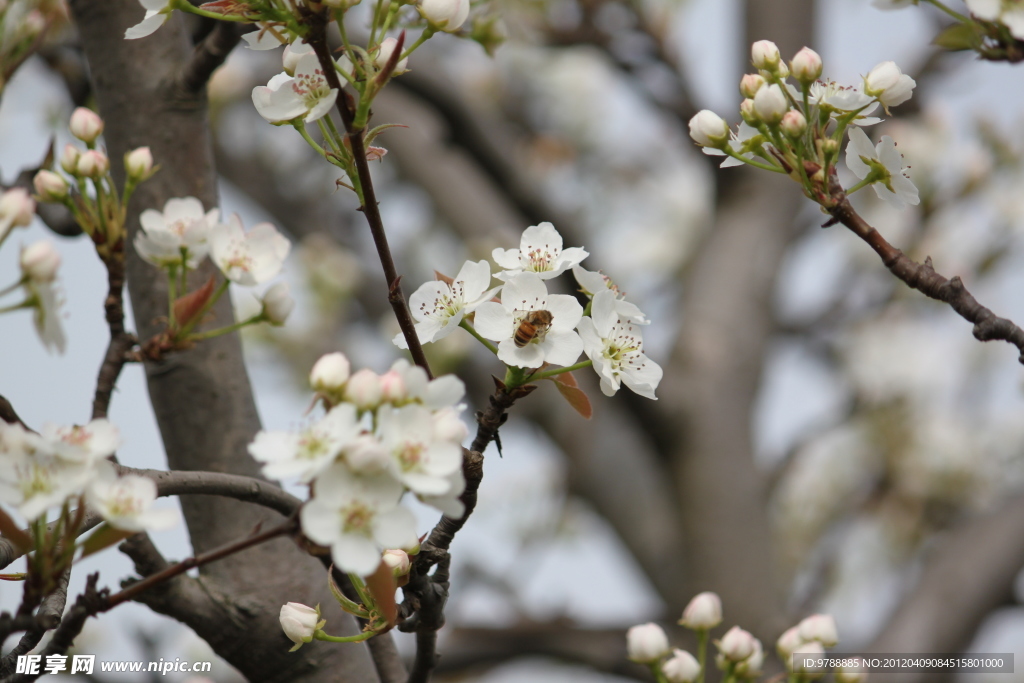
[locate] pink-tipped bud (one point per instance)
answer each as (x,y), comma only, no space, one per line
(793,124)
(806,66)
(681,668)
(40,261)
(771,104)
(737,644)
(138,164)
(788,643)
(16,208)
(750,84)
(330,373)
(764,54)
(50,187)
(393,388)
(86,125)
(92,164)
(820,628)
(703,612)
(708,129)
(364,390)
(69,158)
(398,560)
(647,643)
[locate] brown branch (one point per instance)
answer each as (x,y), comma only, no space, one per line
(8,415)
(47,617)
(426,595)
(208,56)
(121,342)
(922,277)
(317,38)
(237,486)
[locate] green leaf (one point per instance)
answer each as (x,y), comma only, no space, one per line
(346,604)
(104,537)
(959,37)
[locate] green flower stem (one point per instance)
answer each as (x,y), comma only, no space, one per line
(19,576)
(329,138)
(360,587)
(751,162)
(300,126)
(864,183)
(943,8)
(365,635)
(659,676)
(19,283)
(172,293)
(558,371)
(27,303)
(424,37)
(472,330)
(375,22)
(702,652)
(187,7)
(227,329)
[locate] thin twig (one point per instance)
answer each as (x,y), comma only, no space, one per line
(922,277)
(48,616)
(202,483)
(121,341)
(317,38)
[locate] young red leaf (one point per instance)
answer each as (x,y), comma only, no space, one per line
(382,586)
(104,537)
(13,533)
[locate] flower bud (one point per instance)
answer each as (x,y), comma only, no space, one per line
(299,622)
(138,164)
(40,261)
(748,114)
(69,158)
(737,644)
(447,15)
(364,390)
(788,643)
(330,373)
(770,104)
(92,164)
(850,676)
(293,52)
(793,124)
(367,455)
(647,643)
(803,659)
(806,66)
(384,52)
(750,84)
(820,628)
(86,125)
(398,560)
(278,304)
(708,129)
(681,668)
(703,612)
(16,208)
(751,666)
(393,388)
(764,54)
(50,187)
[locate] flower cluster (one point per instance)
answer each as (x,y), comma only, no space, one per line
(381,436)
(798,129)
(179,238)
(533,328)
(60,465)
(740,655)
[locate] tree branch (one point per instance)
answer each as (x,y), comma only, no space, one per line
(48,616)
(922,277)
(208,56)
(237,486)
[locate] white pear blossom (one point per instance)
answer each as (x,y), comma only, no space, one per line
(366,455)
(83,444)
(862,158)
(263,38)
(419,460)
(439,307)
(1009,12)
(841,99)
(889,85)
(248,258)
(450,504)
(742,141)
(616,347)
(384,52)
(540,251)
(157,12)
(592,282)
(179,234)
(358,516)
(126,503)
(33,478)
(524,293)
(306,94)
(39,261)
(46,302)
(307,453)
(440,392)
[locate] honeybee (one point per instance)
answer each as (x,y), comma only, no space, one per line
(533,324)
